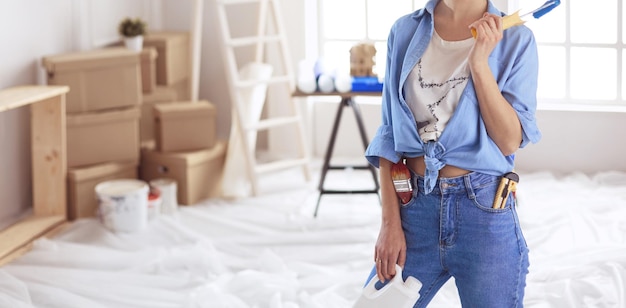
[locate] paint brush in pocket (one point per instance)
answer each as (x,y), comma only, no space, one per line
(401,178)
(516,19)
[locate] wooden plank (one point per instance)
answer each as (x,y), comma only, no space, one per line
(49,166)
(49,161)
(28,246)
(15,240)
(24,95)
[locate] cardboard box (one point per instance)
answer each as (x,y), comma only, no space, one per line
(82,199)
(160,94)
(148,69)
(98,79)
(183,89)
(173,59)
(184,126)
(105,136)
(198,174)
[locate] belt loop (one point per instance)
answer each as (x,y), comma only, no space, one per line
(415,182)
(468,186)
(416,188)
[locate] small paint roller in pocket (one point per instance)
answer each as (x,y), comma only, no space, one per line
(508,184)
(515,19)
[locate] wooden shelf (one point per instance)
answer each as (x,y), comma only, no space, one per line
(49,166)
(16,97)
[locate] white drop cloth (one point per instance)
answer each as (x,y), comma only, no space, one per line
(271,252)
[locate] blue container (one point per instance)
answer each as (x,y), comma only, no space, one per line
(366,84)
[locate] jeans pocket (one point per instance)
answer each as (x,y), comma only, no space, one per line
(414,194)
(484,196)
(412,200)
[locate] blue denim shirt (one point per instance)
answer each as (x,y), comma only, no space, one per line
(464,143)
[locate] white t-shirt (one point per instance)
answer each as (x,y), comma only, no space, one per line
(435,84)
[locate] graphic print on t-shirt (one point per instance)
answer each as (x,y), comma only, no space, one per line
(435,84)
(443,88)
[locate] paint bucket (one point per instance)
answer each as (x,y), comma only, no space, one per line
(123,204)
(167,188)
(154,203)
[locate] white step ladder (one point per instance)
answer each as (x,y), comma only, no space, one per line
(248,87)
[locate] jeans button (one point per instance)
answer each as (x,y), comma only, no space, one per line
(445,185)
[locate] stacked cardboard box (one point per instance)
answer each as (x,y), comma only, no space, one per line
(103,111)
(166,75)
(81,196)
(99,79)
(160,95)
(148,69)
(171,71)
(173,61)
(110,109)
(186,150)
(178,138)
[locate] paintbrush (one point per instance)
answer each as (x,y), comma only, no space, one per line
(401,178)
(516,19)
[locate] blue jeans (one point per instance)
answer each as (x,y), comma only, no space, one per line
(455,232)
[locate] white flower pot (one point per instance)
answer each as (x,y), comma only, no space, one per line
(134,43)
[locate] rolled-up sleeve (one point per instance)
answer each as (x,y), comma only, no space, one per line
(382,146)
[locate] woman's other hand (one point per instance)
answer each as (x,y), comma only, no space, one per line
(390,247)
(390,250)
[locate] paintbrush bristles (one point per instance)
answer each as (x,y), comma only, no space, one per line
(511,20)
(399,172)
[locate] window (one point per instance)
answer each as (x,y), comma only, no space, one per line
(581,44)
(581,52)
(344,23)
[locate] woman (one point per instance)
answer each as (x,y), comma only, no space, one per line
(456,108)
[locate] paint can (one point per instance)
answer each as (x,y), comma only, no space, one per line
(168,189)
(123,204)
(154,203)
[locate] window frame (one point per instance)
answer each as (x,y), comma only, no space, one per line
(321,40)
(578,104)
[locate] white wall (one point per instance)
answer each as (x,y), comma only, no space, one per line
(585,141)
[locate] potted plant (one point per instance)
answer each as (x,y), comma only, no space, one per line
(133,30)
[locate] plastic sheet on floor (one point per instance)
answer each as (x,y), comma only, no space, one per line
(270,251)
